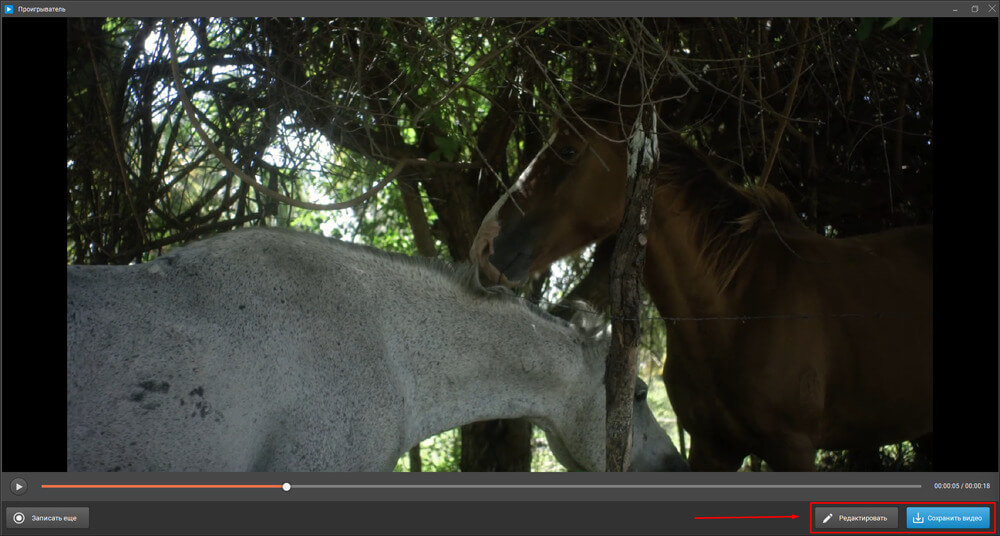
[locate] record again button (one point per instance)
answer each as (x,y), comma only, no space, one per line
(47,518)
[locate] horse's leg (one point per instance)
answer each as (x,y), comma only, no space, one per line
(713,456)
(865,460)
(923,450)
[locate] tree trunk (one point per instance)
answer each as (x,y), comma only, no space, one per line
(461,199)
(626,284)
(492,446)
(425,246)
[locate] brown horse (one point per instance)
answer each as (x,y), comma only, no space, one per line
(780,341)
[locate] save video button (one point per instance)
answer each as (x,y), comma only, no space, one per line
(966,517)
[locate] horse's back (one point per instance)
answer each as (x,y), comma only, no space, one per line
(875,315)
(886,272)
(908,248)
(250,351)
(850,344)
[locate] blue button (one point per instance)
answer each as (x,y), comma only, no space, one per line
(8,10)
(956,517)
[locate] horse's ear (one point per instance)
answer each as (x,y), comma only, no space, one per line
(486,275)
(588,320)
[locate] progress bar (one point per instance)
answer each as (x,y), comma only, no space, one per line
(164,486)
(617,486)
(287,486)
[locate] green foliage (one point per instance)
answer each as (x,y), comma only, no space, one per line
(542,459)
(440,453)
(891,22)
(896,457)
(448,148)
(865,28)
(926,34)
(308,220)
(924,29)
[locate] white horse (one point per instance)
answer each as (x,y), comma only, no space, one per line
(269,350)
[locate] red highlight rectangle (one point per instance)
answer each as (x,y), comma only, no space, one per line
(904,504)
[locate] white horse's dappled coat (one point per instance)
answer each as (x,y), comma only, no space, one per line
(267,350)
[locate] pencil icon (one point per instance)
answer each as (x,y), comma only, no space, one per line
(827,518)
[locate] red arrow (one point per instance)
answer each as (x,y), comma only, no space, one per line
(750,517)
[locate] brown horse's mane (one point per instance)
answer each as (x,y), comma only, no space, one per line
(727,218)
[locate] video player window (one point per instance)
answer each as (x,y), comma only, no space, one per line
(487,268)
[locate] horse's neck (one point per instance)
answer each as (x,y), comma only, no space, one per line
(677,280)
(484,360)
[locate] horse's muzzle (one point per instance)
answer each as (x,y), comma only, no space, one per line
(512,250)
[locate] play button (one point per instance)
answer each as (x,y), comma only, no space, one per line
(18,486)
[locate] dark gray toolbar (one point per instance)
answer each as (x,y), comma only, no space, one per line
(550,8)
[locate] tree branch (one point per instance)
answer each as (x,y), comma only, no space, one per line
(789,103)
(243,176)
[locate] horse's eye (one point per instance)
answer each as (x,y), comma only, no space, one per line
(640,394)
(567,152)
